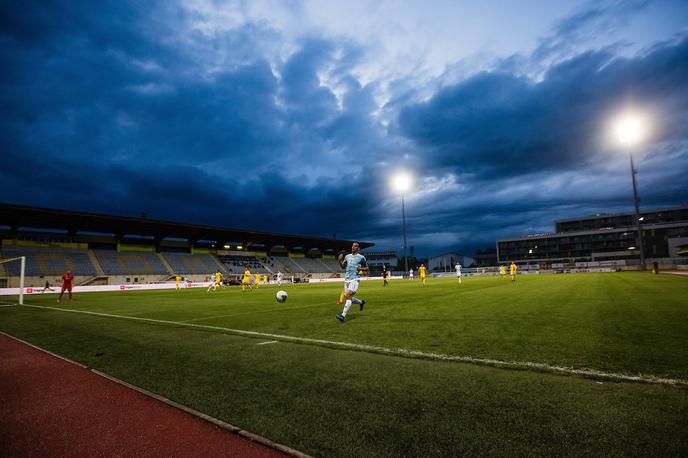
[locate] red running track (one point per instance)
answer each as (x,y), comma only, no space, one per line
(50,407)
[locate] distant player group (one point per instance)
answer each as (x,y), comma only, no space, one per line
(354,265)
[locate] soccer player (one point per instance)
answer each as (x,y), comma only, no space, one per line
(246,281)
(502,271)
(421,272)
(265,279)
(257,281)
(512,271)
(352,263)
(47,287)
(67,279)
(385,273)
(411,274)
(177,282)
(214,281)
(458,271)
(279,278)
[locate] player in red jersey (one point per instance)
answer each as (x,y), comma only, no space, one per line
(67,279)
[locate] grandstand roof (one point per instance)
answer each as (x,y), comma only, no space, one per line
(18,216)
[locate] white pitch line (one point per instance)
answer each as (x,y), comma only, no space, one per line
(591,373)
(268,342)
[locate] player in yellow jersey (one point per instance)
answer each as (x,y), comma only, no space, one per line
(177,281)
(215,280)
(512,271)
(343,293)
(246,281)
(265,279)
(257,280)
(421,272)
(502,271)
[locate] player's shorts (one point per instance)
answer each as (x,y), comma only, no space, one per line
(351,285)
(245,281)
(67,287)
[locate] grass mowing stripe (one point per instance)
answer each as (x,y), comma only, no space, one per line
(522,365)
(251,312)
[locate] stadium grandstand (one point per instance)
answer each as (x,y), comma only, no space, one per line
(605,239)
(376,259)
(107,249)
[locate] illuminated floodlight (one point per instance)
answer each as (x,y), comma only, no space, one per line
(630,129)
(401,182)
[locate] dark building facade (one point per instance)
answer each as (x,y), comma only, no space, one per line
(602,237)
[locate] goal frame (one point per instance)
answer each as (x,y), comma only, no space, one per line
(22,272)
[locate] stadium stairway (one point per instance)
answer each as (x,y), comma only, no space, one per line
(331,267)
(220,265)
(167,265)
(95,280)
(96,264)
(298,265)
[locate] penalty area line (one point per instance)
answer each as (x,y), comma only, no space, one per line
(402,352)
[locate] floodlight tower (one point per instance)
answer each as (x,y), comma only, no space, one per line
(629,130)
(401,183)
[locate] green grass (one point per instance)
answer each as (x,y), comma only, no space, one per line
(333,402)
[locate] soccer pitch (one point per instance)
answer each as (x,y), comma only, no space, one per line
(394,379)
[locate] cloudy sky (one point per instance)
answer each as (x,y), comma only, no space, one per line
(292,116)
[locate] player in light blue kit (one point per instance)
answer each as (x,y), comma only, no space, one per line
(352,263)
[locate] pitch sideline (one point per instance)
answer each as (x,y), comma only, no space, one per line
(401,352)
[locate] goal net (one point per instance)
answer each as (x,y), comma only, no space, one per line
(12,281)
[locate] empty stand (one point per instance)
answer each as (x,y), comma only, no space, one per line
(196,264)
(129,263)
(286,264)
(49,261)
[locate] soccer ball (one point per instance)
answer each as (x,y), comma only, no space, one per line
(281,296)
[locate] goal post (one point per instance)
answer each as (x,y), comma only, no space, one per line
(11,269)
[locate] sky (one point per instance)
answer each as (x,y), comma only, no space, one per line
(293,116)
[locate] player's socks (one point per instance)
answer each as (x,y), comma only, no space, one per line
(347,306)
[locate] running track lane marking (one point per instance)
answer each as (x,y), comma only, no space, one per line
(588,373)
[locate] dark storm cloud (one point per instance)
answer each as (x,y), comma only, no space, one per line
(496,124)
(125,107)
